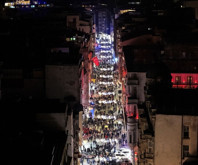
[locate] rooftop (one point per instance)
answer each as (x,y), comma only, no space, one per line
(178,102)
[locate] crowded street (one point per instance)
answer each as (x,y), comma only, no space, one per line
(104,132)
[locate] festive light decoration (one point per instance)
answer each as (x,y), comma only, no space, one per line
(106,83)
(106,51)
(95,60)
(106,93)
(107,76)
(106,69)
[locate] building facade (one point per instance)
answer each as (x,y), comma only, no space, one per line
(185,80)
(176,139)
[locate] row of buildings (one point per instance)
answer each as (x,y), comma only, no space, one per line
(158,52)
(42,49)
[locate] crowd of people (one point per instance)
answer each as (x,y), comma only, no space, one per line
(103,121)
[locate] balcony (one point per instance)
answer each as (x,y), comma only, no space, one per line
(132,100)
(145,137)
(148,155)
(185,85)
(132,82)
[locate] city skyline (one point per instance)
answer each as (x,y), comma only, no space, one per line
(100,83)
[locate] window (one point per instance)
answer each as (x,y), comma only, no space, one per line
(185,151)
(134,76)
(150,146)
(162,51)
(150,150)
(186,132)
(130,89)
(130,139)
(134,136)
(183,54)
(189,79)
(178,79)
(134,92)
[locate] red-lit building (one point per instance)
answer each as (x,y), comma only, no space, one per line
(184,80)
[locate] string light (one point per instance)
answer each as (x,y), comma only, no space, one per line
(102,101)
